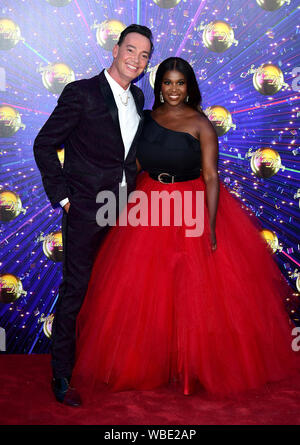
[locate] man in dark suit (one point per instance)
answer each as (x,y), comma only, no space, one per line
(98,121)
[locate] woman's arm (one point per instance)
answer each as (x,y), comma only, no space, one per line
(210,153)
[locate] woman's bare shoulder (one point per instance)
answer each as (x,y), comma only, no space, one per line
(202,123)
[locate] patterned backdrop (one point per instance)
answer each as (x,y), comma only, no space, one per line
(246,58)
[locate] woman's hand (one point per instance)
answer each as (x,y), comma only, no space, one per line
(213,240)
(138,166)
(67,207)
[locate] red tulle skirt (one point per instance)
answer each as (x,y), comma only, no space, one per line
(163,308)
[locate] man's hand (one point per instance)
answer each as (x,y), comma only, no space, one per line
(66,207)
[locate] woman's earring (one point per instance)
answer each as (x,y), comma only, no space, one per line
(187,99)
(161,97)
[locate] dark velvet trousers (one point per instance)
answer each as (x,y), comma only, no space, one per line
(81,241)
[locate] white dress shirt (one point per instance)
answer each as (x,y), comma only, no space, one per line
(128,118)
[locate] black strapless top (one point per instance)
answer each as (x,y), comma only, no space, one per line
(163,150)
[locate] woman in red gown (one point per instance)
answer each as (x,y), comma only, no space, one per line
(164,307)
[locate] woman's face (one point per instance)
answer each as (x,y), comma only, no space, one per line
(174,87)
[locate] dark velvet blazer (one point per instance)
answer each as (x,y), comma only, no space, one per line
(86,122)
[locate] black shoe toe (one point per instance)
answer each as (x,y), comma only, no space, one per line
(64,393)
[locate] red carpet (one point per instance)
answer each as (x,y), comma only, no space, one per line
(26,399)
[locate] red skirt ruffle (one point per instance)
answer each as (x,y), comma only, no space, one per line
(164,308)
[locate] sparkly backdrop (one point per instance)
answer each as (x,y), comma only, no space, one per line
(246,58)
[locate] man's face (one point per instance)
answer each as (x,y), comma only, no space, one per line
(131,58)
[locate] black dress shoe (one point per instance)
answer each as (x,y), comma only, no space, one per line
(64,393)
